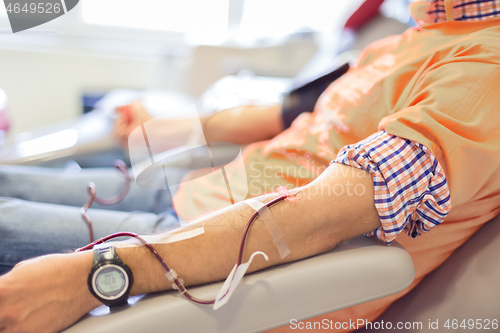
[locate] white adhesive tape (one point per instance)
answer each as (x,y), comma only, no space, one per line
(271,224)
(161,238)
(233,280)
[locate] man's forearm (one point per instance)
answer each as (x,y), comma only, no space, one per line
(244,124)
(51,292)
(240,125)
(314,224)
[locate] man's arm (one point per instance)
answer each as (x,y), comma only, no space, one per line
(314,224)
(244,124)
(240,125)
(52,290)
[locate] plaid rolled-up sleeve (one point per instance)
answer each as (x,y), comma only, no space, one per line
(411,192)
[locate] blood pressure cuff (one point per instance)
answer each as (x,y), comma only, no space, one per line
(304,95)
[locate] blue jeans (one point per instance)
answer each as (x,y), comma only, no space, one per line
(40,210)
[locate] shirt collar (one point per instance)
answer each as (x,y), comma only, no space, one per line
(437,11)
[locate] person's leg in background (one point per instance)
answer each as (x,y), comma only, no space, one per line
(69,187)
(31,229)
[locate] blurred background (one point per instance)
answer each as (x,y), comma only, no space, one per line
(58,71)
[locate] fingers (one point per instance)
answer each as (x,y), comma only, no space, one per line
(131,116)
(119,128)
(46,294)
(120,132)
(126,113)
(139,110)
(8,314)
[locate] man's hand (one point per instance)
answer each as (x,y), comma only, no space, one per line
(50,293)
(240,125)
(131,116)
(46,294)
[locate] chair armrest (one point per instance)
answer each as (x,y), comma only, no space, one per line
(356,271)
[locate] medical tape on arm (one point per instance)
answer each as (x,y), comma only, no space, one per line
(161,238)
(233,280)
(267,217)
(238,272)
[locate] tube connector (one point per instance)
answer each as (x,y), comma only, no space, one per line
(172,275)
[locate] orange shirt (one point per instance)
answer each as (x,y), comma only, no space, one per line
(438,85)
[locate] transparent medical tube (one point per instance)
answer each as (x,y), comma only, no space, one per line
(177,283)
(120,165)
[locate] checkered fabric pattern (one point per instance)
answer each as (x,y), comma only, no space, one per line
(463,10)
(411,192)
